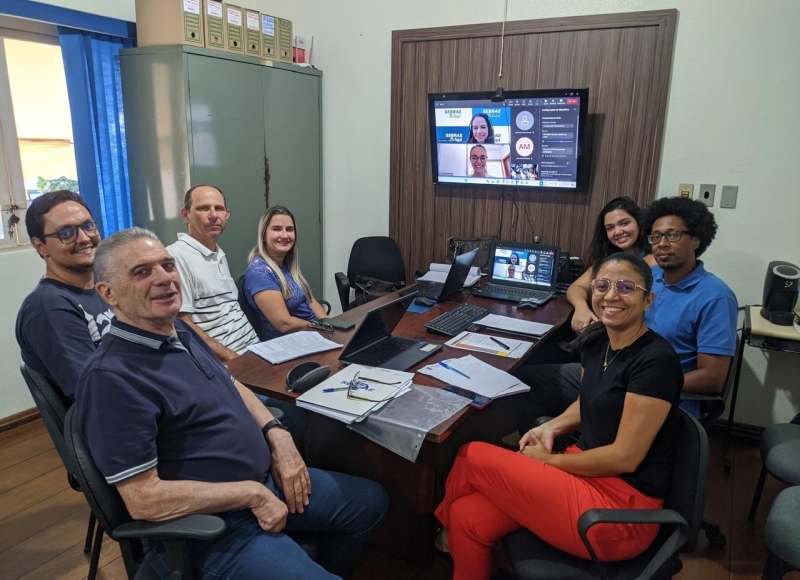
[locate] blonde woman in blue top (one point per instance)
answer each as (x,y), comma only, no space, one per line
(273,283)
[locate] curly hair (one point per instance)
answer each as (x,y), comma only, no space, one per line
(600,247)
(695,214)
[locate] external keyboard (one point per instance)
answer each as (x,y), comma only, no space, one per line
(456,320)
(382,352)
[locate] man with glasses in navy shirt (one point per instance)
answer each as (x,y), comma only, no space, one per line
(176,434)
(62,321)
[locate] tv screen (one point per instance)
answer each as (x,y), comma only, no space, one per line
(530,139)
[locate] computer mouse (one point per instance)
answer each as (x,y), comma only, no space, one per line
(527,306)
(422,301)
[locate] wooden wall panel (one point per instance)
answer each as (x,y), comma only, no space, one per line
(624,60)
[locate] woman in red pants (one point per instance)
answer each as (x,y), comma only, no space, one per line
(627,413)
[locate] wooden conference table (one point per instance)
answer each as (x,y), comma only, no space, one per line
(414,488)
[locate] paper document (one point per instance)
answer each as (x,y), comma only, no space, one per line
(475,375)
(374,388)
(438,273)
(292,345)
(514,325)
(501,346)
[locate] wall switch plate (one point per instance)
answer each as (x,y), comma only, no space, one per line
(706,194)
(729,195)
(686,190)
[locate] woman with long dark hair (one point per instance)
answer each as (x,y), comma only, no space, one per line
(627,413)
(616,230)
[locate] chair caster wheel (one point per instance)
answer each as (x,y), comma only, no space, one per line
(716,539)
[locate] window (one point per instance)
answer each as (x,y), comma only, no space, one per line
(37,153)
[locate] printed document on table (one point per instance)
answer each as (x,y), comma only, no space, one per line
(438,273)
(481,378)
(515,325)
(293,345)
(501,346)
(330,396)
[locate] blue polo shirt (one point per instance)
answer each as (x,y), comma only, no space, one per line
(146,400)
(696,315)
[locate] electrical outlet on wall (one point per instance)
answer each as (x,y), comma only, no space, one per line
(686,190)
(729,195)
(706,194)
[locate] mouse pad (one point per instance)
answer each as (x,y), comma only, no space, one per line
(419,308)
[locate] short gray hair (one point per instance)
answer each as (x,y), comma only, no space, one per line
(103,257)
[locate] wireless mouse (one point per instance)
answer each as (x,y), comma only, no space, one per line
(527,306)
(422,301)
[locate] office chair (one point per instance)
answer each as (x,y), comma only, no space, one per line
(680,518)
(250,313)
(113,517)
(711,409)
(377,257)
(782,535)
(780,454)
(53,406)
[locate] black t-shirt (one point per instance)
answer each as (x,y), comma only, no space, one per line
(647,367)
(58,328)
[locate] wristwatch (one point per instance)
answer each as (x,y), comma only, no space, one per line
(271,424)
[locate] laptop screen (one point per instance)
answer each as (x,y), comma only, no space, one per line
(524,264)
(378,324)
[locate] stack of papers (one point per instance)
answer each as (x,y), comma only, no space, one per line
(475,342)
(514,325)
(438,273)
(375,388)
(477,376)
(292,345)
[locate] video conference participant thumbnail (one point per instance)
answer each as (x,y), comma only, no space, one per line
(477,125)
(475,161)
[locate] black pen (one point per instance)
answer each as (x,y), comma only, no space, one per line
(505,346)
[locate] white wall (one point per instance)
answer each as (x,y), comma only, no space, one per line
(731,120)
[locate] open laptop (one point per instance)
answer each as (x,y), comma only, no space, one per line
(373,344)
(522,271)
(456,277)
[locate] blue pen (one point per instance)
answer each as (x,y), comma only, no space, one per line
(449,368)
(334,389)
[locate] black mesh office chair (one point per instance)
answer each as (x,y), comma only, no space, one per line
(113,517)
(711,409)
(376,257)
(53,406)
(680,519)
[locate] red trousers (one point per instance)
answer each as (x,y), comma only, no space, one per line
(492,491)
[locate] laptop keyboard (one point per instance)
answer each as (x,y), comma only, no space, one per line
(540,296)
(382,352)
(430,290)
(456,320)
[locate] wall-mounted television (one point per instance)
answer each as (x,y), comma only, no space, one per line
(531,139)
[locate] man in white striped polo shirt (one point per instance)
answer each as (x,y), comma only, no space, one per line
(209,297)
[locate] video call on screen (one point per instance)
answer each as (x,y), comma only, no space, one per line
(531,267)
(532,142)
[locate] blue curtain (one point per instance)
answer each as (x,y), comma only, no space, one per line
(94,85)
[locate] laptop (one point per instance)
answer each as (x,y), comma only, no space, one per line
(373,344)
(456,277)
(520,271)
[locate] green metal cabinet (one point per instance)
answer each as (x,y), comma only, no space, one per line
(197,116)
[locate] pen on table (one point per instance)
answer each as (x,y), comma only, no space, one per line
(493,339)
(449,368)
(334,389)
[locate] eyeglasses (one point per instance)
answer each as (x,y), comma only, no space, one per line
(601,286)
(69,235)
(672,236)
(321,326)
(359,383)
(477,157)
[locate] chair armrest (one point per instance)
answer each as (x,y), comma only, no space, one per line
(668,549)
(343,286)
(326,306)
(192,527)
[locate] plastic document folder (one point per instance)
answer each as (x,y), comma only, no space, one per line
(374,388)
(401,426)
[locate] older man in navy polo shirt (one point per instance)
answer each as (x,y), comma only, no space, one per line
(168,425)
